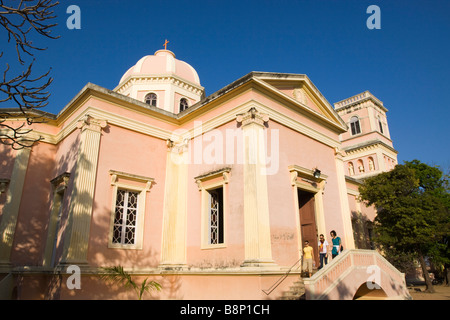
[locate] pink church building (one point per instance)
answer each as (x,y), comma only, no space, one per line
(211,197)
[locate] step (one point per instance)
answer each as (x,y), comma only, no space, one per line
(295,292)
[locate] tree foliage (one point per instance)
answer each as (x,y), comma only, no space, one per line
(413,211)
(118,275)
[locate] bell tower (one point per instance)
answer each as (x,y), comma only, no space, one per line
(367,143)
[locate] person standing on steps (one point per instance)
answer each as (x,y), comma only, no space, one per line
(307,258)
(323,250)
(337,244)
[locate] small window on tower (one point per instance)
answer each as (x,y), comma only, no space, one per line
(151,99)
(354,125)
(380,124)
(183,104)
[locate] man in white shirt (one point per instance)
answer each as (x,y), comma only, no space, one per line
(323,247)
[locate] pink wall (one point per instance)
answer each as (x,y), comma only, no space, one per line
(32,221)
(126,151)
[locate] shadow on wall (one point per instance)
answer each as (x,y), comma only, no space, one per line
(33,228)
(362,231)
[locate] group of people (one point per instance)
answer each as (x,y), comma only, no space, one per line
(324,248)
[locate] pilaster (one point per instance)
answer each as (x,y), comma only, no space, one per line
(258,249)
(81,200)
(173,250)
(349,241)
(12,205)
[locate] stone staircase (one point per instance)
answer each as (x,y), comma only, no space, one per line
(295,292)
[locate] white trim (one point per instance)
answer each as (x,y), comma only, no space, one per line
(204,187)
(140,211)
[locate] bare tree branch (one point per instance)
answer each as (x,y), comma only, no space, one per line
(20,19)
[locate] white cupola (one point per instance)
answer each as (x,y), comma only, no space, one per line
(162,81)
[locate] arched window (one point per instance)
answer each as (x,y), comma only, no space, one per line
(151,99)
(183,104)
(354,125)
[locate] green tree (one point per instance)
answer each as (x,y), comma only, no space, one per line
(413,212)
(117,275)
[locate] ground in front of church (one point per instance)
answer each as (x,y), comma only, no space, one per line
(442,293)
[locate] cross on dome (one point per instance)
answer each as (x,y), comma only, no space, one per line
(165,44)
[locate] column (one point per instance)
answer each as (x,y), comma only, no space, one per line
(258,249)
(173,247)
(348,239)
(12,205)
(82,197)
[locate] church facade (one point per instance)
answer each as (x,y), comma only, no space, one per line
(212,197)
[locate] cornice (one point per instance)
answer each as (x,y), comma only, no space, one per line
(159,78)
(368,145)
(240,86)
(358,99)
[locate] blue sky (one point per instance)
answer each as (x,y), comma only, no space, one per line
(405,64)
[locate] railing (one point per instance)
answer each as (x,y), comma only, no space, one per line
(6,287)
(328,278)
(281,279)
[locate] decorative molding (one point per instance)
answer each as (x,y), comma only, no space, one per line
(299,95)
(304,173)
(224,173)
(178,147)
(61,182)
(115,175)
(150,79)
(357,99)
(90,123)
(252,116)
(339,153)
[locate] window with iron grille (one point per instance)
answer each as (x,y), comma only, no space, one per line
(125,217)
(216,229)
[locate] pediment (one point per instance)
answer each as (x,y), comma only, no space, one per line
(299,89)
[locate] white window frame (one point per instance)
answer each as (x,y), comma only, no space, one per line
(359,125)
(133,183)
(206,183)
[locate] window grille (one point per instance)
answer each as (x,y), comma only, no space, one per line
(216,216)
(125,217)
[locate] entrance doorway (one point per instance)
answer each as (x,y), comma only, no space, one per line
(308,226)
